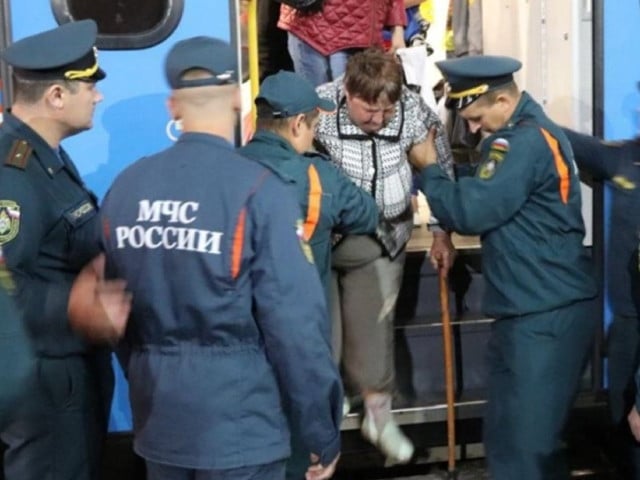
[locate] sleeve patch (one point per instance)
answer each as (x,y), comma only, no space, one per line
(9,220)
(497,151)
(487,170)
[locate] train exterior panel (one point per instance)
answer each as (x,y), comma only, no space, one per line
(132,120)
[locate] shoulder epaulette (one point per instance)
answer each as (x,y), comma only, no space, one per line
(19,154)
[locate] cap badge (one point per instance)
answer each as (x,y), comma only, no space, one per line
(226,76)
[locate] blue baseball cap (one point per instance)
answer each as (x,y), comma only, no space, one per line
(287,94)
(471,77)
(67,52)
(203,53)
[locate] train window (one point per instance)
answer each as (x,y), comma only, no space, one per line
(124,24)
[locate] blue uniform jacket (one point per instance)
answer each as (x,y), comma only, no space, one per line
(16,356)
(48,231)
(345,208)
(525,203)
(618,162)
(227,310)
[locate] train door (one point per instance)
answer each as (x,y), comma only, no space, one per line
(131,121)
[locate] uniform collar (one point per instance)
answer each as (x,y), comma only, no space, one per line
(275,140)
(522,110)
(277,151)
(220,142)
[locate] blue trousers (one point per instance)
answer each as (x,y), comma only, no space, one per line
(59,431)
(623,355)
(269,471)
(535,366)
(313,65)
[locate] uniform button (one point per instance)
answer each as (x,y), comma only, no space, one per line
(372,171)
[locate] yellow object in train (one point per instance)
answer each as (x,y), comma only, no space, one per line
(449,44)
(623,182)
(427,11)
(252,37)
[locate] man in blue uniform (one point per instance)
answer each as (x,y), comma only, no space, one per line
(225,331)
(524,202)
(617,163)
(48,221)
(288,112)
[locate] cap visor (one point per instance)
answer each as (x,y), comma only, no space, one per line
(451,103)
(326,106)
(99,75)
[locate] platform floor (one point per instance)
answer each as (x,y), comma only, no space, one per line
(587,445)
(587,441)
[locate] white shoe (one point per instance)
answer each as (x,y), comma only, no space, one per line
(346,407)
(390,441)
(417,219)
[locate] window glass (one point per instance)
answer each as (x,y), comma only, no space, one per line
(120,17)
(124,24)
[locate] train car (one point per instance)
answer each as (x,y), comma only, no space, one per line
(562,45)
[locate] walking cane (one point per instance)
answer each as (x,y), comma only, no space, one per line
(448,370)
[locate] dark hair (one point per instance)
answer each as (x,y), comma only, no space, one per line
(30,91)
(305,7)
(373,72)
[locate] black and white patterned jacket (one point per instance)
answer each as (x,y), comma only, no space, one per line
(378,163)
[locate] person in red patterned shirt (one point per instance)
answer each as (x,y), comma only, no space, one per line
(320,42)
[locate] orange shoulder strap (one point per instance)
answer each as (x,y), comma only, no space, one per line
(561,166)
(237,245)
(315,198)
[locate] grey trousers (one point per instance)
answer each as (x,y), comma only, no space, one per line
(365,286)
(467,27)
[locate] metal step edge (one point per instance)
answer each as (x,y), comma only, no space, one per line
(429,322)
(467,250)
(464,409)
(424,414)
